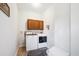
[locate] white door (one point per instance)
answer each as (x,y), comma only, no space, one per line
(31,42)
(75,29)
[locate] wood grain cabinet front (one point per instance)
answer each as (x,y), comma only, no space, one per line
(35,24)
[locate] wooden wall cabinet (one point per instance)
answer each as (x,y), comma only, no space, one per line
(35,24)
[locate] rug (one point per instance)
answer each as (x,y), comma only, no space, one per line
(38,52)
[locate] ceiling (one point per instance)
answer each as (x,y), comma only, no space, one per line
(30,7)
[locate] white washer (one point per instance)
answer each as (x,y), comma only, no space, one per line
(31,42)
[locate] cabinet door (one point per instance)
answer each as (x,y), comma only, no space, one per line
(30,25)
(31,42)
(41,25)
(36,25)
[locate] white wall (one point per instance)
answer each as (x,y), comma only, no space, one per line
(57,14)
(75,29)
(23,16)
(8,32)
(48,16)
(62,26)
